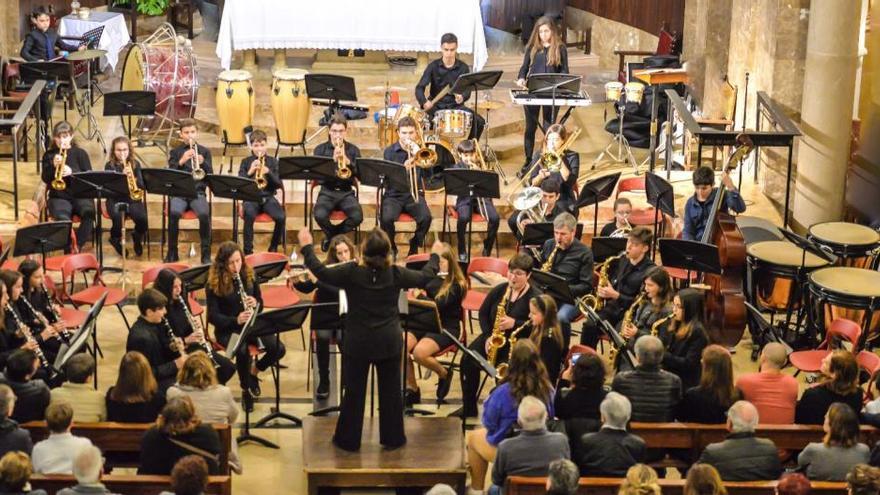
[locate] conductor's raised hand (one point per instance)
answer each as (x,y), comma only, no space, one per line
(304,237)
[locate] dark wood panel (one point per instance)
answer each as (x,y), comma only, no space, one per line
(507,15)
(647,15)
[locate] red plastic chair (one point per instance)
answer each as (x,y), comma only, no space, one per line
(150,275)
(53,263)
(265,218)
(474,299)
(73,318)
(336,216)
(870,363)
(275,296)
(452,214)
(639,216)
(840,329)
(83,263)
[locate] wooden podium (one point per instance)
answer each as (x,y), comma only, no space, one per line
(656,78)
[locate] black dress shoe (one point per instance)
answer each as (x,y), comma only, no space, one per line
(171,257)
(117,245)
(325,244)
(206,258)
(443,386)
(323,390)
(413,249)
(487,251)
(412,397)
(138,245)
(254,386)
(460,413)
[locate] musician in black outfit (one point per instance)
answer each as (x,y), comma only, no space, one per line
(655,308)
(550,204)
(622,210)
(250,167)
(568,257)
(151,336)
(626,278)
(545,54)
(372,335)
(44,338)
(444,72)
(227,313)
(463,207)
(171,286)
(338,193)
(181,158)
(42,42)
(567,174)
(33,308)
(136,209)
(34,290)
(513,296)
(341,250)
(395,202)
(61,204)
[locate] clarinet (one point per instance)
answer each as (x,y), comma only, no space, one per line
(64,335)
(245,306)
(28,336)
(55,314)
(197,327)
(172,338)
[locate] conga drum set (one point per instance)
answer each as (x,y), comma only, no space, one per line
(619,94)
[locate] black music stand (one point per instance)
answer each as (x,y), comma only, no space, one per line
(763,332)
(97,185)
(167,183)
(264,272)
(692,256)
(473,184)
(234,188)
(381,174)
(307,168)
(419,316)
(552,285)
(42,238)
(606,247)
(616,339)
(475,81)
(594,192)
(82,334)
(554,85)
(50,72)
(662,197)
(195,278)
(125,104)
(333,88)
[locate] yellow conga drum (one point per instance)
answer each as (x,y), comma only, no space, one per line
(235,104)
(290,105)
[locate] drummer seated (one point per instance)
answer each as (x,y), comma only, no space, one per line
(464,209)
(550,205)
(338,193)
(268,203)
(567,174)
(42,42)
(444,72)
(698,208)
(623,208)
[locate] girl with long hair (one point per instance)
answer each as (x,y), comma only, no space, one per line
(709,401)
(135,397)
(840,449)
(686,337)
(567,175)
(656,306)
(120,155)
(34,290)
(64,153)
(446,288)
(544,331)
(45,337)
(178,432)
(839,383)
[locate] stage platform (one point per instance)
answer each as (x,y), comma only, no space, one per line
(434,453)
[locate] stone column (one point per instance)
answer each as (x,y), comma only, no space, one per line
(826,113)
(706,51)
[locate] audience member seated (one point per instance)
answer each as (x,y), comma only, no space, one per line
(840,383)
(793,484)
(742,456)
(562,478)
(686,338)
(197,379)
(88,466)
(15,475)
(612,450)
(189,476)
(578,404)
(771,391)
(135,397)
(703,479)
(528,453)
(178,432)
(55,455)
(709,401)
(863,480)
(32,394)
(526,375)
(839,451)
(90,404)
(640,479)
(12,437)
(871,411)
(441,489)
(653,393)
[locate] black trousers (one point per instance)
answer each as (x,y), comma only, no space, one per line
(135,210)
(464,214)
(225,366)
(274,350)
(64,209)
(470,373)
(532,112)
(511,222)
(271,207)
(329,200)
(355,372)
(322,351)
(392,207)
(176,207)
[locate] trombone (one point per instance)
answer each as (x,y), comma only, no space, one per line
(550,160)
(413,172)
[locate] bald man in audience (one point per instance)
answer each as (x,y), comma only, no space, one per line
(772,392)
(88,466)
(743,456)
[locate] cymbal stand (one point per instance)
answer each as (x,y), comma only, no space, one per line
(489,155)
(85,110)
(624,152)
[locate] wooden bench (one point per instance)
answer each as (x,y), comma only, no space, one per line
(121,442)
(128,484)
(521,485)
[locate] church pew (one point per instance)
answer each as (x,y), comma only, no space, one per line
(121,442)
(521,485)
(128,484)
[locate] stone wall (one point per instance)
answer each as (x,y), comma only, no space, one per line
(9,35)
(608,36)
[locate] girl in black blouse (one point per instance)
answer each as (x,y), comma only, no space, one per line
(34,289)
(568,173)
(709,401)
(45,337)
(135,397)
(545,333)
(134,209)
(340,250)
(656,306)
(61,205)
(446,288)
(226,313)
(169,284)
(686,338)
(545,53)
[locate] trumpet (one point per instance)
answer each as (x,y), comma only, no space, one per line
(197,171)
(196,325)
(259,178)
(28,336)
(342,170)
(58,183)
(134,192)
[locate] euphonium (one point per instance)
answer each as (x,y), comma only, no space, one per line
(592,300)
(627,320)
(497,339)
(623,231)
(342,170)
(197,170)
(258,175)
(58,183)
(134,192)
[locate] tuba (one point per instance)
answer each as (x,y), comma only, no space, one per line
(134,192)
(258,175)
(58,183)
(592,300)
(342,170)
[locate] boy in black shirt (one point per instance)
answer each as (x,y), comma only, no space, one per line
(266,166)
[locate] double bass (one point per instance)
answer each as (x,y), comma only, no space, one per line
(725,300)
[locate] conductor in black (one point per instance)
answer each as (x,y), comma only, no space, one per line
(372,334)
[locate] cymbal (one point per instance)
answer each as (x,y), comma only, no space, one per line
(86,55)
(490,105)
(381,89)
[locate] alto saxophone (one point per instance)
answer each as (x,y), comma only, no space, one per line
(134,192)
(258,175)
(497,339)
(548,265)
(655,327)
(58,183)
(342,170)
(501,370)
(626,321)
(593,300)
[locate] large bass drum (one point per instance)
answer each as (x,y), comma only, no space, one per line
(165,64)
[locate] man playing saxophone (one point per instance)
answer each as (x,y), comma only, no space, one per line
(133,206)
(510,298)
(185,157)
(338,193)
(626,276)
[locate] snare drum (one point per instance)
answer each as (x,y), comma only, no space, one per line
(845,292)
(453,124)
(772,273)
(613,90)
(235,104)
(290,105)
(855,245)
(412,111)
(634,92)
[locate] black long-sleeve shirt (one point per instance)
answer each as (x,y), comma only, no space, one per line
(572,161)
(223,310)
(682,356)
(438,76)
(139,178)
(352,152)
(77,160)
(273,182)
(395,153)
(575,265)
(539,64)
(176,317)
(152,340)
(518,309)
(627,279)
(176,154)
(36,45)
(449,306)
(323,317)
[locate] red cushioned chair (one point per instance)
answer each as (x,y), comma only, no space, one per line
(639,216)
(53,263)
(265,218)
(83,263)
(474,299)
(840,329)
(870,363)
(275,296)
(336,216)
(73,318)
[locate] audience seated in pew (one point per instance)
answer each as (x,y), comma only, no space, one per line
(654,393)
(863,480)
(703,479)
(640,479)
(178,432)
(12,437)
(709,401)
(15,473)
(770,390)
(840,383)
(562,478)
(32,394)
(581,390)
(91,407)
(135,397)
(793,484)
(612,450)
(839,451)
(189,476)
(742,456)
(55,455)
(88,467)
